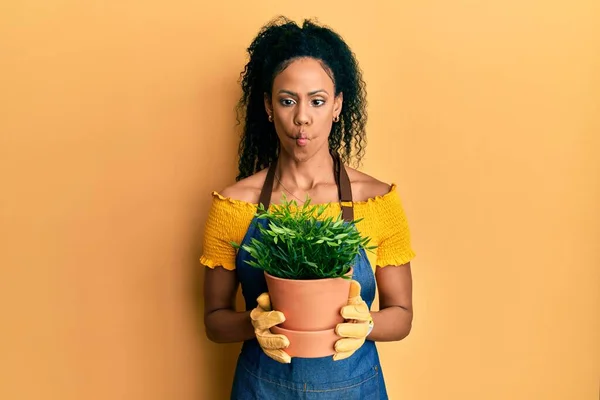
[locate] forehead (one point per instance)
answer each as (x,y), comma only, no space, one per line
(303,75)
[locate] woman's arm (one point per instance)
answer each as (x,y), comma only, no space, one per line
(394,320)
(223,324)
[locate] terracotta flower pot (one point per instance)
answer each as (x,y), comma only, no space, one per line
(309,305)
(309,344)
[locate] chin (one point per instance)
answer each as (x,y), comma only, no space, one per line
(300,157)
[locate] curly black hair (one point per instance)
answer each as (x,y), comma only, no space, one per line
(277,44)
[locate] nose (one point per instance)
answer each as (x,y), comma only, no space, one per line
(302,116)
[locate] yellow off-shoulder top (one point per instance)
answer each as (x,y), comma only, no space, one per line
(383,220)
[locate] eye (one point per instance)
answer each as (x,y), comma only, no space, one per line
(287,102)
(318,102)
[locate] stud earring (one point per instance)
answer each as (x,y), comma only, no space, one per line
(270,118)
(336,118)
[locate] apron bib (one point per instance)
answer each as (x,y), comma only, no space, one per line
(258,377)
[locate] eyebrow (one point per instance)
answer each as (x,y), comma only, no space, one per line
(309,93)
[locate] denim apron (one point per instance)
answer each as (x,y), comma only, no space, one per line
(258,377)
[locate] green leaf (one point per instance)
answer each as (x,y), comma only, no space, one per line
(290,243)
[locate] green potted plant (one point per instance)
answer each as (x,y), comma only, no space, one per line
(308,263)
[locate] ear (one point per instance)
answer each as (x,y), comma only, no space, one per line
(268,104)
(337,104)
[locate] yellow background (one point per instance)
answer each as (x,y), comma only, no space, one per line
(117,121)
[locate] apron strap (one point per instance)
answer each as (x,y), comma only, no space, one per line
(342,180)
(344,190)
(267,189)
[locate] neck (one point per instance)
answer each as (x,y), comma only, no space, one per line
(305,175)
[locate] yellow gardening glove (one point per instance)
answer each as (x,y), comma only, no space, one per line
(263,318)
(357,326)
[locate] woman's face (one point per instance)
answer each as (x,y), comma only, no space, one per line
(303,106)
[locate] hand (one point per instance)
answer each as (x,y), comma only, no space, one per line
(263,318)
(357,326)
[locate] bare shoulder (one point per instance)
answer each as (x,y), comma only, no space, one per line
(366,187)
(246,190)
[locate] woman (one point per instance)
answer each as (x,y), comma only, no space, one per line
(304,108)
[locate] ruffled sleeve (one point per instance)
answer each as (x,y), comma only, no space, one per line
(394,245)
(228,221)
